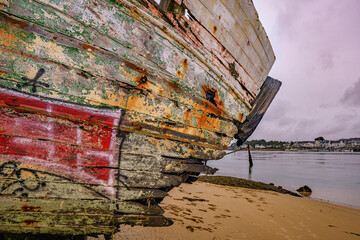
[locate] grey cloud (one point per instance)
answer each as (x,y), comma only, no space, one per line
(352,95)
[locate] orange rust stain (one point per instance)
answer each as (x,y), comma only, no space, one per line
(182,71)
(143,82)
(187,115)
(185,64)
(6,39)
(214,29)
(135,67)
(240,117)
(2,73)
(206,106)
(202,121)
(137,126)
(218,102)
(207,122)
(179,74)
(201,105)
(248,43)
(27,208)
(87,47)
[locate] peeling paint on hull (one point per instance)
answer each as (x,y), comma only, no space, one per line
(107,105)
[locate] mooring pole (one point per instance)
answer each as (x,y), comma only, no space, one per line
(250,159)
(250,162)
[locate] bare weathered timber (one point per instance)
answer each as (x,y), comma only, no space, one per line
(106,105)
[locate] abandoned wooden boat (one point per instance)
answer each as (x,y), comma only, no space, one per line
(106,105)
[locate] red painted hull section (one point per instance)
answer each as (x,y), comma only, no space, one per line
(72,141)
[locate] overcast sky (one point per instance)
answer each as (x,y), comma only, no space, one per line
(317,48)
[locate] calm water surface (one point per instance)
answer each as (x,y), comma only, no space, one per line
(333,177)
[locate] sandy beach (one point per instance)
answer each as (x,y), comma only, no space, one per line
(208,211)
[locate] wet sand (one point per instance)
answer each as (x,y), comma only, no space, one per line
(208,211)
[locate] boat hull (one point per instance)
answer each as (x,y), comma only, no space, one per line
(105,106)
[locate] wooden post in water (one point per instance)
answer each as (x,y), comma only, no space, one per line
(250,162)
(250,159)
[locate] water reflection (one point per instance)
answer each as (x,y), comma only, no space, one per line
(250,171)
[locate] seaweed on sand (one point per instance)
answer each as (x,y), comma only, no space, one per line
(240,182)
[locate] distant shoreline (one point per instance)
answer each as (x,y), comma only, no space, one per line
(296,150)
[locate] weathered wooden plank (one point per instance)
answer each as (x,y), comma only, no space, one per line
(215,56)
(191,42)
(156,146)
(143,179)
(162,164)
(251,13)
(45,223)
(46,220)
(76,206)
(55,229)
(268,91)
(167,130)
(226,32)
(232,8)
(38,221)
(148,221)
(234,74)
(125,194)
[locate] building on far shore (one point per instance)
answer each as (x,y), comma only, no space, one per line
(350,144)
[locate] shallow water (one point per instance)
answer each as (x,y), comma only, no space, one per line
(332,176)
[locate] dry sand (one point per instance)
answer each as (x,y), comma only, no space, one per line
(222,212)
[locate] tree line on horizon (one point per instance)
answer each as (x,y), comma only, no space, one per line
(280,144)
